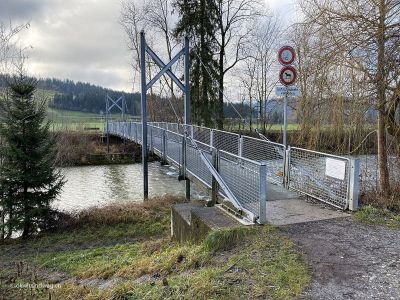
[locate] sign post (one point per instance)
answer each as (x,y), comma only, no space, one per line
(287,76)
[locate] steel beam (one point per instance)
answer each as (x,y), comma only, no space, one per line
(144,116)
(187,107)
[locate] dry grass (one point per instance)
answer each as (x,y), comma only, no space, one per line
(376,199)
(77,148)
(117,213)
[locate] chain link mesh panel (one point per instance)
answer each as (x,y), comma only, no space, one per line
(196,165)
(174,147)
(243,178)
(226,141)
(272,154)
(321,176)
(202,134)
(157,138)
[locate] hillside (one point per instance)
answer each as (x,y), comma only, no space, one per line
(80,96)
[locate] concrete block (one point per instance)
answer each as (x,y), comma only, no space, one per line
(193,221)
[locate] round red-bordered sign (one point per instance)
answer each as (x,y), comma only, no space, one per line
(286,55)
(287,75)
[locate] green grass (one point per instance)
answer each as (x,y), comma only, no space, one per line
(377,216)
(264,265)
(131,243)
(271,127)
(65,120)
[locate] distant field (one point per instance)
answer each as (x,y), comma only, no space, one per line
(271,127)
(66,120)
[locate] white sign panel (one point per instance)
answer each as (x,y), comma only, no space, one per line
(335,168)
(292,91)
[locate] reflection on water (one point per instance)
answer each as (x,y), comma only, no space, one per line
(100,185)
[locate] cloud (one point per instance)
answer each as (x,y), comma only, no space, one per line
(75,39)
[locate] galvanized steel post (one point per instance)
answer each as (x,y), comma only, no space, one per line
(151,139)
(214,182)
(240,146)
(286,169)
(164,147)
(354,188)
(263,193)
(285,104)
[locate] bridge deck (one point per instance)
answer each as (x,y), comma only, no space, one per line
(284,207)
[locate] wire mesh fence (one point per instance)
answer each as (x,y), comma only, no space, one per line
(243,178)
(225,141)
(320,175)
(272,154)
(196,166)
(201,134)
(241,162)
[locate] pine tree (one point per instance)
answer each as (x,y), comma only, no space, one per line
(29,181)
(198,21)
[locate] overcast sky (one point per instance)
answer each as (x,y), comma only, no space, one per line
(80,39)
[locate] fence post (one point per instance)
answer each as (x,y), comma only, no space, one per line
(164,147)
(263,193)
(354,188)
(182,163)
(240,146)
(136,135)
(286,169)
(151,139)
(214,183)
(212,138)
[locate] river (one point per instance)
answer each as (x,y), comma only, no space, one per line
(101,185)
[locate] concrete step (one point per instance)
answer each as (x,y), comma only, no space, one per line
(193,221)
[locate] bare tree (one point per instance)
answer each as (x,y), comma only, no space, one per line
(11,54)
(364,35)
(155,17)
(255,70)
(235,20)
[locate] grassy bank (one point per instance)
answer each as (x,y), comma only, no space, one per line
(124,252)
(378,216)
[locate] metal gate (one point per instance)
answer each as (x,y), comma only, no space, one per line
(328,178)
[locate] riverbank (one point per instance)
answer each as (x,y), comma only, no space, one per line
(88,149)
(124,251)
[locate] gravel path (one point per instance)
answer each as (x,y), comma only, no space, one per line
(349,260)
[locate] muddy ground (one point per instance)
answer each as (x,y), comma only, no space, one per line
(349,260)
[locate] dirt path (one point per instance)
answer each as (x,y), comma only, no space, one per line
(349,260)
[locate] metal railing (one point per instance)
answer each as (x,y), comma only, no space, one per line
(169,142)
(246,164)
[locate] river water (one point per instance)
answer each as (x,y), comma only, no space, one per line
(101,185)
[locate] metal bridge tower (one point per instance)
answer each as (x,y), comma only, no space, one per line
(165,69)
(109,107)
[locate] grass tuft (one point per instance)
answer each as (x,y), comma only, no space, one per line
(220,240)
(378,216)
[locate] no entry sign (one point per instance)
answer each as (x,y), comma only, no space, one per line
(286,55)
(287,75)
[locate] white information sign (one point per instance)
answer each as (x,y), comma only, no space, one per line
(335,168)
(291,91)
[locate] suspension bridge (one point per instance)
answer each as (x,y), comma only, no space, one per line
(249,174)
